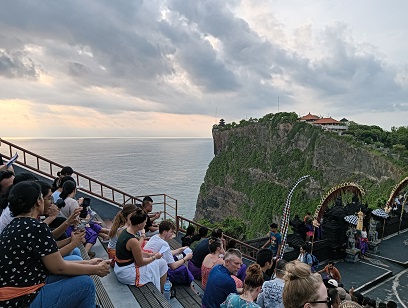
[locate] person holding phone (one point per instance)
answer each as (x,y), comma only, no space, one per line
(92,230)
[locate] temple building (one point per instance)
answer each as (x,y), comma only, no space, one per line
(328,124)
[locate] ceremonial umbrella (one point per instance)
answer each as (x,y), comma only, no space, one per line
(351,219)
(381,214)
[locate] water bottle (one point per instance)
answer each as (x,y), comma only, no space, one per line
(167,289)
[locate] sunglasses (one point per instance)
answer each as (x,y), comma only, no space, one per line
(327,301)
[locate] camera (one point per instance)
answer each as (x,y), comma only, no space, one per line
(85,204)
(60,203)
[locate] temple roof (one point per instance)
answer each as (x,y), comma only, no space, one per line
(309,117)
(326,121)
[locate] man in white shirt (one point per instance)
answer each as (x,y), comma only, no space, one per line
(178,273)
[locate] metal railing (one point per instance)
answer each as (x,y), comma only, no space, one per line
(247,251)
(49,169)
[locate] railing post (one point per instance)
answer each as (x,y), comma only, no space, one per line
(165,207)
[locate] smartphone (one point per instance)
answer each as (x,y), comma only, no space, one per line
(81,226)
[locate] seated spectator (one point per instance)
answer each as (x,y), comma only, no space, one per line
(252,287)
(305,256)
(6,216)
(302,287)
(68,246)
(391,304)
(197,238)
(133,266)
(186,240)
(220,284)
(120,222)
(200,252)
(34,287)
(330,272)
(65,171)
(343,295)
(333,294)
(57,192)
(150,228)
(231,244)
(264,258)
(92,229)
(178,273)
(212,259)
(350,304)
(271,294)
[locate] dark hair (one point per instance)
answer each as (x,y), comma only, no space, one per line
(333,293)
(67,189)
(391,304)
(6,174)
(273,226)
(281,266)
(203,231)
(231,244)
(214,243)
(64,179)
(23,196)
(24,176)
(305,247)
(330,262)
(45,187)
(138,217)
(217,232)
(67,170)
(147,199)
(264,255)
(190,230)
(166,225)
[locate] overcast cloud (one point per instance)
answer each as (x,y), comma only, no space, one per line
(167,64)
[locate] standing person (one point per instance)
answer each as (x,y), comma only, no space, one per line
(252,287)
(220,284)
(150,228)
(178,273)
(302,288)
(271,295)
(34,286)
(275,240)
(305,256)
(331,272)
(134,266)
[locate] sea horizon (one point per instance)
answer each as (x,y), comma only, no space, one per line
(138,166)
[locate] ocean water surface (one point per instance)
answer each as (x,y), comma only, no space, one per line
(138,166)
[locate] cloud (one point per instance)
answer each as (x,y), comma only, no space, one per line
(198,58)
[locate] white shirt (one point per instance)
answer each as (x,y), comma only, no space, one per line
(5,218)
(155,244)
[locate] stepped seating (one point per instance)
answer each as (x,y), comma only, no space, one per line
(102,297)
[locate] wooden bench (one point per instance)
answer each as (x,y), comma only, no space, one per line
(149,297)
(102,297)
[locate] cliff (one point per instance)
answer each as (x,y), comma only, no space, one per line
(256,163)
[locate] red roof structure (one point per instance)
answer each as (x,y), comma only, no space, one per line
(309,117)
(326,121)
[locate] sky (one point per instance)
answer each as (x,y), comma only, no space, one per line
(173,68)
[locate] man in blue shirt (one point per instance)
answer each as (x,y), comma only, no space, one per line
(220,284)
(275,240)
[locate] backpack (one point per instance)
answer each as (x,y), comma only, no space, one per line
(315,261)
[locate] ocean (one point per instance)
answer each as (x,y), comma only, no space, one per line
(138,166)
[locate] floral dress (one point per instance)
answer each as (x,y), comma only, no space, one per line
(235,301)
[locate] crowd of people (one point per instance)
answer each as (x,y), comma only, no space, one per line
(41,263)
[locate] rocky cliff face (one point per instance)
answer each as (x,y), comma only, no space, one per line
(255,165)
